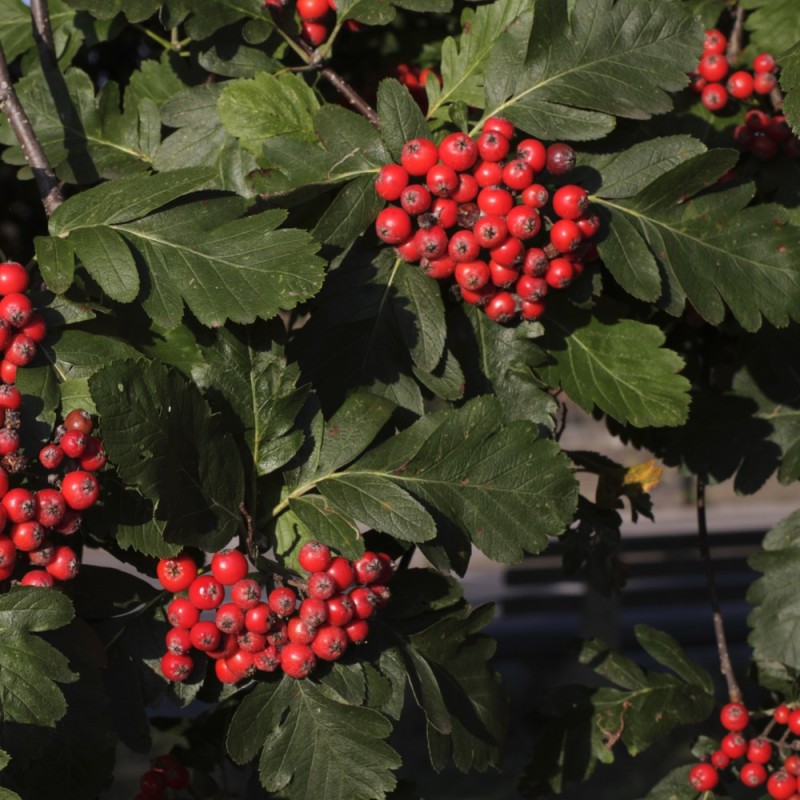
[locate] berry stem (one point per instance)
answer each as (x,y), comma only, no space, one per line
(46,180)
(735,39)
(726,667)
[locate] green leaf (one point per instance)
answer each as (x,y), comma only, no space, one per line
(500,484)
(343,754)
(85,136)
(329,525)
(648,704)
(256,109)
(163,439)
(748,268)
(772,24)
(464,60)
(400,117)
(56,260)
(15,25)
(108,260)
(775,616)
(790,83)
(238,270)
(673,786)
(616,58)
(594,356)
(423,329)
(29,666)
(125,199)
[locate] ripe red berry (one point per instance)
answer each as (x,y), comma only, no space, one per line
(502,275)
(570,201)
(508,253)
(79,420)
(152,784)
(501,125)
(441,180)
(495,201)
(313,611)
(179,641)
(759,750)
(463,246)
(703,777)
(94,457)
(8,553)
(531,288)
(330,643)
(781,785)
(340,610)
(223,672)
(367,568)
(19,504)
(297,660)
(251,642)
(206,592)
(51,456)
(312,10)
(713,67)
(488,173)
(781,714)
(792,765)
(764,82)
(321,586)
(364,602)
(535,195)
(467,189)
(229,618)
(37,577)
(391,181)
(175,773)
(714,41)
(491,230)
(734,745)
(393,225)
(21,350)
(258,618)
(74,443)
(524,222)
(472,275)
(268,660)
(752,774)
(182,613)
(560,273)
(282,601)
(10,397)
(439,268)
(534,153)
(177,572)
(734,716)
(8,371)
(80,489)
(205,635)
(502,307)
(459,151)
(720,759)
(16,309)
(565,236)
(228,645)
(246,593)
(13,278)
(764,63)
(50,507)
(342,573)
(176,668)
(517,174)
(740,84)
(493,146)
(418,156)
(27,535)
(714,97)
(299,631)
(229,566)
(9,441)
(445,211)
(432,242)
(357,631)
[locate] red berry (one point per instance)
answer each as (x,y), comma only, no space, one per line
(535,195)
(268,660)
(8,371)
(792,765)
(258,618)
(229,566)
(299,631)
(329,643)
(524,222)
(764,63)
(51,456)
(9,441)
(764,82)
(472,275)
(13,278)
(282,601)
(493,146)
(206,592)
(734,717)
(37,577)
(223,672)
(340,610)
(463,246)
(495,201)
(759,750)
(10,397)
(177,776)
(720,759)
(368,568)
(229,618)
(703,777)
(176,668)
(488,173)
(439,268)
(490,230)
(16,309)
(570,201)
(441,180)
(79,420)
(503,275)
(530,288)
(713,67)
(246,593)
(8,553)
(177,572)
(391,181)
(321,585)
(205,635)
(27,535)
(251,642)
(42,555)
(560,273)
(534,153)
(313,611)
(445,210)
(714,97)
(228,645)
(21,350)
(418,156)
(94,456)
(153,784)
(74,443)
(297,660)
(752,774)
(499,125)
(50,507)
(240,664)
(393,225)
(363,602)
(740,84)
(781,714)
(734,745)
(565,236)
(357,631)
(467,189)
(415,199)
(502,307)
(80,489)
(535,262)
(714,41)
(182,613)
(432,242)
(342,573)
(781,785)
(19,504)
(312,9)
(517,174)
(459,151)
(178,641)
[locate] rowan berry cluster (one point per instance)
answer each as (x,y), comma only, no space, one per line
(314,16)
(21,326)
(166,776)
(476,211)
(762,760)
(763,133)
(287,629)
(36,524)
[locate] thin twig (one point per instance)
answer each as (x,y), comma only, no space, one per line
(776,98)
(735,39)
(725,665)
(43,34)
(340,84)
(46,180)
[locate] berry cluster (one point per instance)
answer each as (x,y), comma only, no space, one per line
(313,15)
(165,777)
(21,326)
(765,761)
(475,211)
(290,629)
(35,524)
(762,133)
